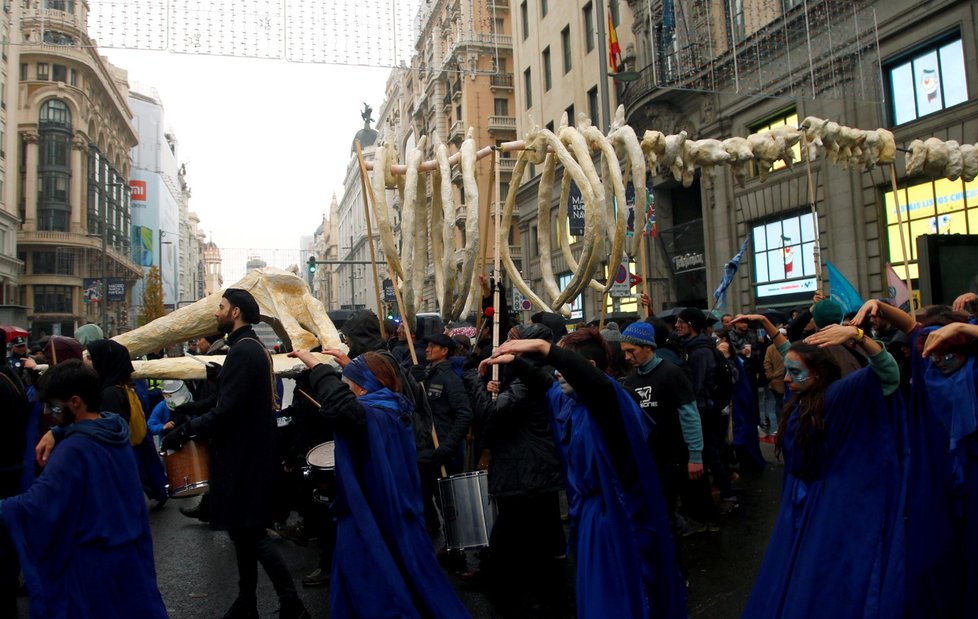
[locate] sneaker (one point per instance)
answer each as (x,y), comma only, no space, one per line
(451,559)
(295,533)
(316,578)
(692,527)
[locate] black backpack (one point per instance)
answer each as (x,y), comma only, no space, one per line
(719,383)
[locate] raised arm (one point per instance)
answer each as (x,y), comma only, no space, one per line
(894,315)
(880,360)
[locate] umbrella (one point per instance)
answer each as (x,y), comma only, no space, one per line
(13,332)
(776,317)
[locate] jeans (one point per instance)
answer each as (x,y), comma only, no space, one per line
(771,404)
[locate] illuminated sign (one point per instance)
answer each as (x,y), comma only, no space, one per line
(932,207)
(784,256)
(138,191)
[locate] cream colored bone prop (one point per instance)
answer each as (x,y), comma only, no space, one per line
(463,300)
(383,158)
(625,140)
(283,300)
(195,368)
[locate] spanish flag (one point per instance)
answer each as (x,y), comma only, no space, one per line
(614,51)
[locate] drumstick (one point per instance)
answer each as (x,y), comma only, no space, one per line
(308,397)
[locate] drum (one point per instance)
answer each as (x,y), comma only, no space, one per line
(321,472)
(468,512)
(322,456)
(188,469)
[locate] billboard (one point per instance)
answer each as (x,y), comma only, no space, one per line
(784,256)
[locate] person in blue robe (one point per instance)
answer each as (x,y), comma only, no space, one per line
(746,419)
(619,534)
(82,528)
(838,546)
(383,563)
(942,507)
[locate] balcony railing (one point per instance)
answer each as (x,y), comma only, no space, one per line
(502,123)
(507,165)
(457,132)
(501,80)
(516,252)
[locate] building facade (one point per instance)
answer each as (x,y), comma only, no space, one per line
(213,279)
(72,142)
(12,310)
(192,240)
(919,82)
(159,194)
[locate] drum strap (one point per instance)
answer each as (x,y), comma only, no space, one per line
(271,371)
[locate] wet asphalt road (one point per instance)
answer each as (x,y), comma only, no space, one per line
(197,575)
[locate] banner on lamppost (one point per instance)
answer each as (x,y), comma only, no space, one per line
(575,210)
(388,286)
(117,289)
(92,289)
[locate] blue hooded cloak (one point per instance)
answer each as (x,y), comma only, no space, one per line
(383,565)
(942,511)
(82,529)
(838,546)
(746,417)
(620,535)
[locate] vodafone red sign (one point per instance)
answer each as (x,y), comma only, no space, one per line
(138,190)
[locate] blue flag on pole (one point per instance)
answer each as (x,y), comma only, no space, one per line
(842,291)
(729,271)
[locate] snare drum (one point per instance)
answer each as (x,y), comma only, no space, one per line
(468,512)
(188,469)
(322,456)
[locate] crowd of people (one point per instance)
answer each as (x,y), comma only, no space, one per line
(602,449)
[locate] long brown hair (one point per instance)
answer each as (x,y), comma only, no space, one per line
(589,344)
(383,370)
(824,370)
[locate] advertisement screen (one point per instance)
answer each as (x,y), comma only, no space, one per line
(784,256)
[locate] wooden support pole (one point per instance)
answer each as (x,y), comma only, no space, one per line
(370,240)
(903,241)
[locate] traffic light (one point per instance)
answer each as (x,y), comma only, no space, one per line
(312,265)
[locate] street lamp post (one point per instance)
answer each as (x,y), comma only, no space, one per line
(162,243)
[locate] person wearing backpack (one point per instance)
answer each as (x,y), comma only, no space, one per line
(712,380)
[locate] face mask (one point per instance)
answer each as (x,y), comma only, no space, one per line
(564,385)
(796,371)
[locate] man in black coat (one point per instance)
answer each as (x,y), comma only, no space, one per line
(241,431)
(13,443)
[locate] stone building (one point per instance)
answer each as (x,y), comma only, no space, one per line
(72,144)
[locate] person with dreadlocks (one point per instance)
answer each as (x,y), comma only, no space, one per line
(838,547)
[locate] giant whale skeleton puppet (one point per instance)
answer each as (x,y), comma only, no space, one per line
(300,319)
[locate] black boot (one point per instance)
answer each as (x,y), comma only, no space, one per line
(242,609)
(293,608)
(200,511)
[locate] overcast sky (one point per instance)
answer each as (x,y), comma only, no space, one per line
(266,142)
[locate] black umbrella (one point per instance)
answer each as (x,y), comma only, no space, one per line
(776,317)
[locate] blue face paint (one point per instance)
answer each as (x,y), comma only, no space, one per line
(796,370)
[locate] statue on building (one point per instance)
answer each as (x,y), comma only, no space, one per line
(365,115)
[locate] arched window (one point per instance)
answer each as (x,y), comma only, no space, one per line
(55,113)
(54,166)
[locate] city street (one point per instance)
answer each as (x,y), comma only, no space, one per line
(197,575)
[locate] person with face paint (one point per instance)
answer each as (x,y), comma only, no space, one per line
(840,529)
(942,495)
(383,563)
(619,532)
(82,529)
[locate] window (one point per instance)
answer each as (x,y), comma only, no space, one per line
(592,105)
(588,27)
(524,20)
(499,26)
(55,113)
(52,219)
(789,118)
(547,75)
(52,299)
(59,73)
(528,88)
(929,80)
(550,126)
(932,207)
(42,70)
(53,37)
(577,306)
(501,107)
(571,119)
(543,8)
(60,262)
(23,71)
(565,46)
(615,9)
(784,256)
(74,77)
(68,6)
(738,28)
